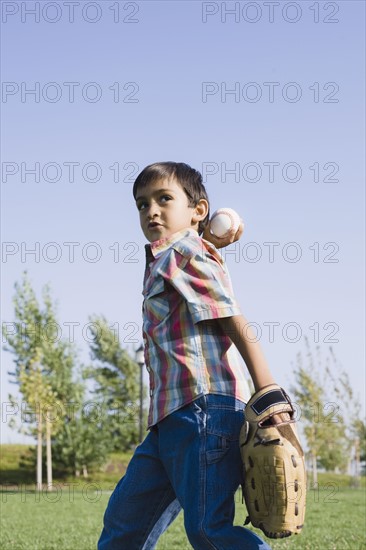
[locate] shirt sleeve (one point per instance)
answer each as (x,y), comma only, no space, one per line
(204,283)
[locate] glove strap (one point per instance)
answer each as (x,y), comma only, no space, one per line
(268,401)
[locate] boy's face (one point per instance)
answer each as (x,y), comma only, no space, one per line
(164,209)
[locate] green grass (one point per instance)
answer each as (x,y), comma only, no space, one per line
(335,520)
(72,518)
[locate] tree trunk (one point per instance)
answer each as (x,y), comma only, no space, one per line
(39,451)
(314,469)
(49,454)
(356,479)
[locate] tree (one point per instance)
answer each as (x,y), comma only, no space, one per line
(80,432)
(38,393)
(360,426)
(306,393)
(360,448)
(84,442)
(116,378)
(351,407)
(323,423)
(43,367)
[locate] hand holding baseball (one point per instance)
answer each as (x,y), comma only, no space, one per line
(225,227)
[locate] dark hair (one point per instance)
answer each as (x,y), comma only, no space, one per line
(188,178)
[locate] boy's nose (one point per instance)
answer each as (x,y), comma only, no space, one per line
(153,210)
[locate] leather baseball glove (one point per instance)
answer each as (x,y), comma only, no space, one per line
(274,485)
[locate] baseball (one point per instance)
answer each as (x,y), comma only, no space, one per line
(223,221)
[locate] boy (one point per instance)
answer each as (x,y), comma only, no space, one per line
(190,459)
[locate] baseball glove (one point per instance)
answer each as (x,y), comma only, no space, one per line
(274,486)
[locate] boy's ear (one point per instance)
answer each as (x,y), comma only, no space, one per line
(200,211)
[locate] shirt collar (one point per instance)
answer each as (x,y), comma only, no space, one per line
(158,247)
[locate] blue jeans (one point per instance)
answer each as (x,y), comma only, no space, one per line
(189,460)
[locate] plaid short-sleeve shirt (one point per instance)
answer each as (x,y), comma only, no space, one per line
(186,285)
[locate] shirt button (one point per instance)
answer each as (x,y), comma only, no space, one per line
(151,393)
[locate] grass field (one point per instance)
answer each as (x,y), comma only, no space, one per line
(71,518)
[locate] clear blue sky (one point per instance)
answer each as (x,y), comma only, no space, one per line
(295,121)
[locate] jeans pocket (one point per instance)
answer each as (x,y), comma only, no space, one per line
(222,431)
(224,422)
(216,448)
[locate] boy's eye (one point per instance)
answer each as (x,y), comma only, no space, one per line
(141,205)
(165,198)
